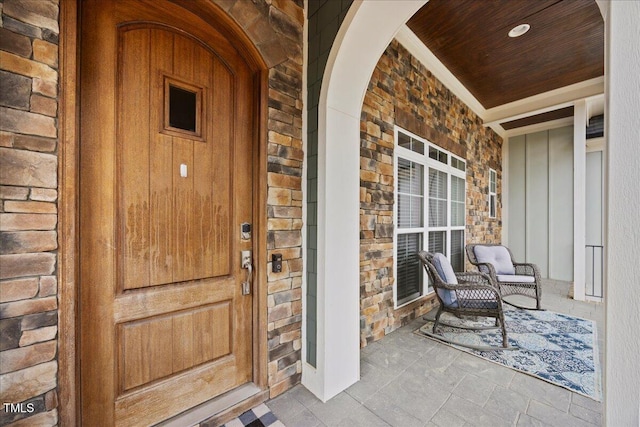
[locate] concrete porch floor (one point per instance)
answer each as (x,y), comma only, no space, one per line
(407,380)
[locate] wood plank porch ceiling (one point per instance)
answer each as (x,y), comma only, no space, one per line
(565,44)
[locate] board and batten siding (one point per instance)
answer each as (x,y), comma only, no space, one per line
(541,200)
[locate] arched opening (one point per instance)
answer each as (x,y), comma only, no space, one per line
(362,38)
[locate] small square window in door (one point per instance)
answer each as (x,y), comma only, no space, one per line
(182,108)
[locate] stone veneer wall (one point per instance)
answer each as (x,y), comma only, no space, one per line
(29,99)
(403,92)
(285,19)
(28,216)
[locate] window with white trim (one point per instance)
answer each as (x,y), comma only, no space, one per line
(493,178)
(429,211)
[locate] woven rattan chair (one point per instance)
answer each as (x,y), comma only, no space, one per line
(463,294)
(511,277)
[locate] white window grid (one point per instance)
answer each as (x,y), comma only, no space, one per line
(493,196)
(451,168)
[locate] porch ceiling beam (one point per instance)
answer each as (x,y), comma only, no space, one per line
(553,124)
(544,102)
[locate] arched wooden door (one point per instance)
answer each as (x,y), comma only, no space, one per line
(167,135)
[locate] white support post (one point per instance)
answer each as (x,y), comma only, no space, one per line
(363,36)
(579,197)
(504,191)
(622,244)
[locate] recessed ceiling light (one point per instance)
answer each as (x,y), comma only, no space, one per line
(519,30)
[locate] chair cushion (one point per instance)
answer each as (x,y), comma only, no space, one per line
(514,278)
(445,271)
(496,255)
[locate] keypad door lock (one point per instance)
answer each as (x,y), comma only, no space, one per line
(245,231)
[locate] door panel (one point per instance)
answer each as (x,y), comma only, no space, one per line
(155,348)
(188,237)
(162,238)
(166,180)
(133,118)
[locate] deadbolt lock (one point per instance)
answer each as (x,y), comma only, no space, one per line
(245,231)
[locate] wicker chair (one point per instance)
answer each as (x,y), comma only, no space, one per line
(513,279)
(472,295)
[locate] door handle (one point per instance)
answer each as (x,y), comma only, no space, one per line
(246,264)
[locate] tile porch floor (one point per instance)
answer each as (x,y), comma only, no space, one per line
(407,380)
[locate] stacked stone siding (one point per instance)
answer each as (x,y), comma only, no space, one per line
(29,102)
(403,92)
(284,198)
(284,224)
(28,210)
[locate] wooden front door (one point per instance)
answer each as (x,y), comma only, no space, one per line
(167,135)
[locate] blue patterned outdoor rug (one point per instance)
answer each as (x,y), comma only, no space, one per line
(555,347)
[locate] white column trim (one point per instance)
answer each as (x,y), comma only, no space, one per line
(579,197)
(364,35)
(622,247)
(504,192)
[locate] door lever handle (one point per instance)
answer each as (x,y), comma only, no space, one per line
(247,265)
(245,260)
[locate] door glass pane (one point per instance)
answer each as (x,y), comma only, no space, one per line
(409,274)
(182,108)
